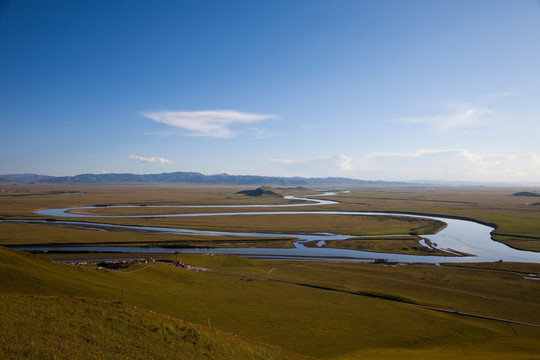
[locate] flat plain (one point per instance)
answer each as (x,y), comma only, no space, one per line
(242,308)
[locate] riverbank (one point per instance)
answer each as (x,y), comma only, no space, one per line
(458,236)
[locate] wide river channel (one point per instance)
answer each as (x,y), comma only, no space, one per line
(459,236)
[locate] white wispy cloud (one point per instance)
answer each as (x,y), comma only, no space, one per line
(209,123)
(499,95)
(457,164)
(456,117)
(345,162)
(163,133)
(260,133)
(316,166)
(156,160)
(298,161)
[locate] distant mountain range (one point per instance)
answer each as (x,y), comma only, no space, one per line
(186,178)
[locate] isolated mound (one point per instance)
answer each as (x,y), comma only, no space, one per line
(526,193)
(262,191)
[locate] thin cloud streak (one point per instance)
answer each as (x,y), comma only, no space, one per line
(459,117)
(454,163)
(321,165)
(162,134)
(207,123)
(155,160)
(298,161)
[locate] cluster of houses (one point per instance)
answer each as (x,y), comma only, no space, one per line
(124,263)
(181,265)
(112,264)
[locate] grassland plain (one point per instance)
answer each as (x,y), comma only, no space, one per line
(283,223)
(52,233)
(403,245)
(516,217)
(304,308)
(28,198)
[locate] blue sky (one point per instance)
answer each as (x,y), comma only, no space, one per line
(390,89)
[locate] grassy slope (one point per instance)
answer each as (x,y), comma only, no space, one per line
(49,310)
(488,293)
(69,328)
(310,321)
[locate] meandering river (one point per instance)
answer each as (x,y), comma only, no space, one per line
(459,236)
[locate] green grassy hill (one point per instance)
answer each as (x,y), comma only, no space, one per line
(50,310)
(85,328)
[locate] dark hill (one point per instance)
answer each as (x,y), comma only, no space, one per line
(262,191)
(526,193)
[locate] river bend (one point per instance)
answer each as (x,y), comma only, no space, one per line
(459,236)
